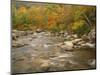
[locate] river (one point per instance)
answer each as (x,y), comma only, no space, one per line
(40,54)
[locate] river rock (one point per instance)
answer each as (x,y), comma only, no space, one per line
(14,36)
(67,37)
(29,32)
(74,36)
(89,45)
(92,35)
(61,32)
(92,63)
(14,31)
(81,42)
(47,34)
(39,30)
(16,44)
(85,38)
(45,64)
(76,40)
(68,45)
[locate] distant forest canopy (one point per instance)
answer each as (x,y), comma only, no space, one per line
(78,19)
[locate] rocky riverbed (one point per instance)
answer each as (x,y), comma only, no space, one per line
(46,52)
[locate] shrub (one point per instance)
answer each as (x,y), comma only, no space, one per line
(80,27)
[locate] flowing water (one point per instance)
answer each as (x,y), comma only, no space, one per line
(42,55)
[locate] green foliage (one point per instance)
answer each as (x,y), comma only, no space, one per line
(58,28)
(55,29)
(80,27)
(54,17)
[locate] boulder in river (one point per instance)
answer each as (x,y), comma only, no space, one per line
(76,40)
(92,63)
(14,37)
(75,36)
(18,44)
(92,35)
(91,45)
(39,30)
(68,45)
(61,33)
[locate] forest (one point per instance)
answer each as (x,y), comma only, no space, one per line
(53,17)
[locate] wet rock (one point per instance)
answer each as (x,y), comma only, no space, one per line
(29,39)
(35,34)
(90,45)
(92,63)
(68,45)
(62,56)
(39,30)
(57,34)
(65,34)
(14,36)
(92,35)
(76,40)
(71,36)
(46,45)
(85,38)
(75,36)
(45,65)
(17,44)
(61,33)
(29,32)
(81,42)
(14,31)
(47,34)
(67,37)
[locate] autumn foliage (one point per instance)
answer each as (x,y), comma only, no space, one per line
(53,17)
